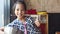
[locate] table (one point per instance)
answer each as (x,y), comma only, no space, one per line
(57,33)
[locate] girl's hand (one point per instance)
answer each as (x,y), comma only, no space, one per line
(2,29)
(1,32)
(37,23)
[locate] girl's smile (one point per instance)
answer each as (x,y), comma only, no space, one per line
(19,10)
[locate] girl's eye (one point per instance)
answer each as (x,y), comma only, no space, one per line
(17,9)
(22,10)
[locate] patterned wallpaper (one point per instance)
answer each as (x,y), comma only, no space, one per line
(51,6)
(39,5)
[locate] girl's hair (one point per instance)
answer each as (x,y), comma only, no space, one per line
(19,2)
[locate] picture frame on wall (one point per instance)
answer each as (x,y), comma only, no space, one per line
(40,18)
(43,18)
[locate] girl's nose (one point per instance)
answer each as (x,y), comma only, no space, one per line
(20,11)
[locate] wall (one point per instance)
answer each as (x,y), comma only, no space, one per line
(6,12)
(51,6)
(1,13)
(39,5)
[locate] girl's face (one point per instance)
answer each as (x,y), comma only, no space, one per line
(19,10)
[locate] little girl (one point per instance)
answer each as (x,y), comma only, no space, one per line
(22,23)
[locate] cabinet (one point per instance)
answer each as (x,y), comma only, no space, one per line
(44,22)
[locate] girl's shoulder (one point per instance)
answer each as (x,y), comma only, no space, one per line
(13,23)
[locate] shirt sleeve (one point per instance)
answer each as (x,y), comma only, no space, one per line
(31,19)
(13,24)
(10,24)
